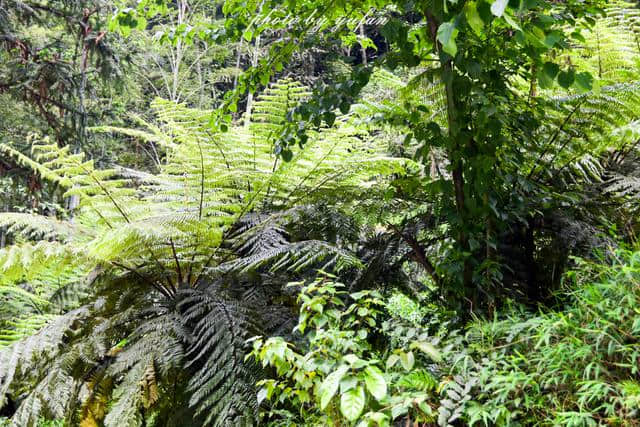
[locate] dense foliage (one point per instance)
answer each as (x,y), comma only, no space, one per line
(365,213)
(380,361)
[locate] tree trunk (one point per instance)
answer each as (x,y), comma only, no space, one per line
(364,51)
(254,63)
(457,173)
(454,154)
(533,288)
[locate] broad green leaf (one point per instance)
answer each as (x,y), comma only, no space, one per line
(348,382)
(264,78)
(424,407)
(498,7)
(375,382)
(428,349)
(287,155)
(407,360)
(552,38)
(392,360)
(352,403)
(399,410)
(511,21)
(473,17)
(330,385)
(391,30)
(551,69)
(545,81)
(566,78)
(380,418)
(584,82)
(351,358)
(447,33)
(536,37)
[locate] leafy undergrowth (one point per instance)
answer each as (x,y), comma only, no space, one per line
(341,372)
(367,362)
(575,367)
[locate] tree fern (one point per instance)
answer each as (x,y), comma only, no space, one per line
(161,316)
(587,124)
(227,179)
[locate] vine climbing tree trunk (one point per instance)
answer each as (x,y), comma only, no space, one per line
(457,175)
(455,152)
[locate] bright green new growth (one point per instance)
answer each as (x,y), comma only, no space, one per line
(208,182)
(338,375)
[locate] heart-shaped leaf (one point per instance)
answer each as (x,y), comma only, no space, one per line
(473,17)
(566,78)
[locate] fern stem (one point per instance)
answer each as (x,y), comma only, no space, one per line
(155,285)
(201,182)
(419,253)
(175,257)
(554,137)
(317,187)
(106,192)
(315,167)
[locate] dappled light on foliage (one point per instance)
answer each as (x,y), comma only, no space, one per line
(319,213)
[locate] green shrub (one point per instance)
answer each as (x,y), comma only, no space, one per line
(343,372)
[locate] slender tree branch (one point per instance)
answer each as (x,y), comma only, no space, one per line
(419,253)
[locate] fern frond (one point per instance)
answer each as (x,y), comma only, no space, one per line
(128,398)
(168,249)
(26,161)
(418,380)
(28,260)
(36,227)
(17,358)
(220,331)
(294,257)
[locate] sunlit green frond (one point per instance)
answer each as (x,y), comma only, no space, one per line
(171,233)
